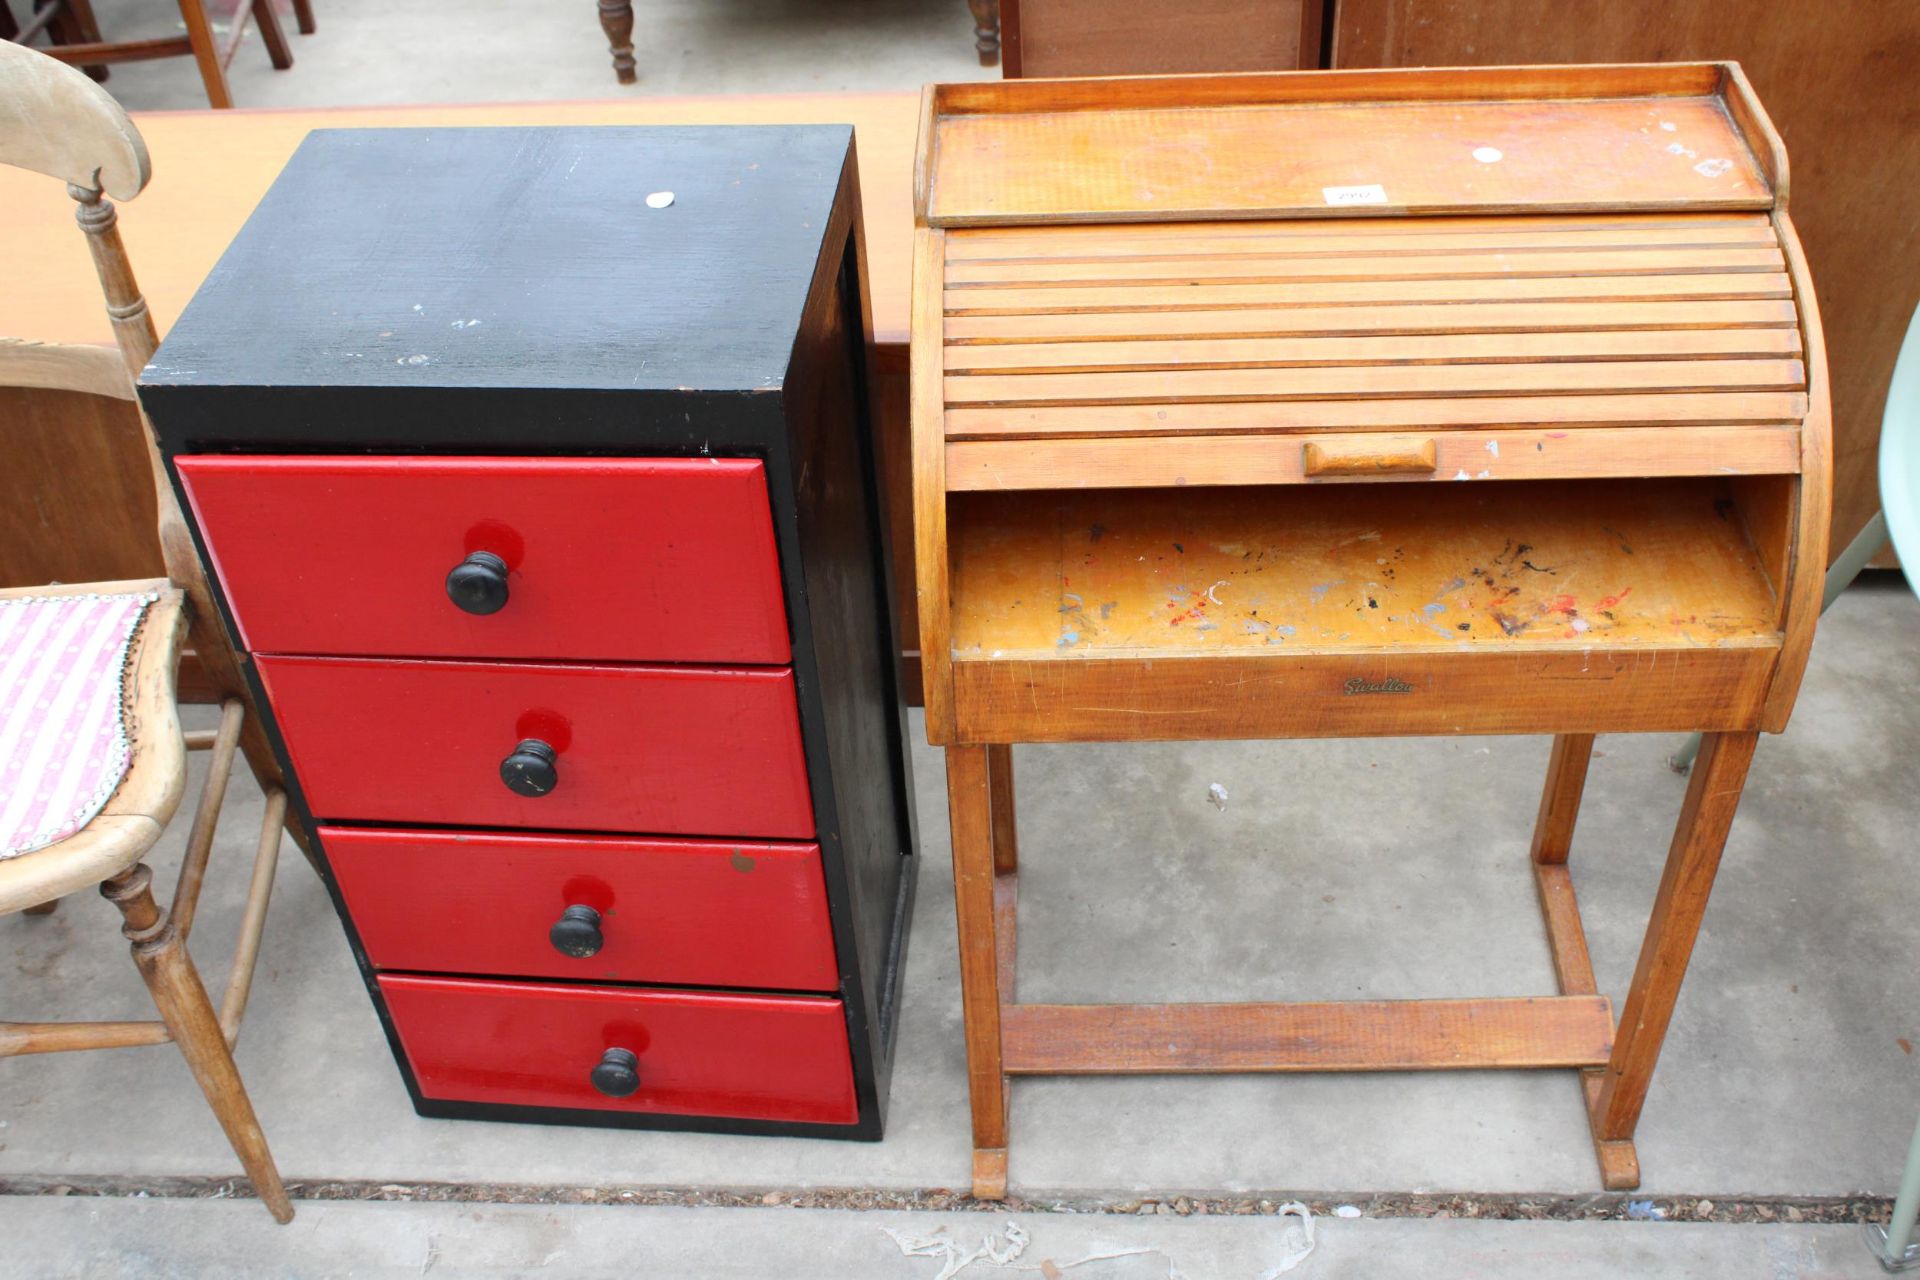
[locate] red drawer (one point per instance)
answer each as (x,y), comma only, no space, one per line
(682,912)
(669,750)
(613,559)
(536,1045)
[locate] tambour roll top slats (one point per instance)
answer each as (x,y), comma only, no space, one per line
(1561,308)
(1167,332)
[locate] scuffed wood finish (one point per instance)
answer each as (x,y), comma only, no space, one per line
(1417,568)
(1128,150)
(1579,427)
(1347,1035)
(53,120)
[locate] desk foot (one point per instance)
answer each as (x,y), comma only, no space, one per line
(1619,1160)
(990,1174)
(1619,1164)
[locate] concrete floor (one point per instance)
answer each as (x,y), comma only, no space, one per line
(377,52)
(157,1240)
(1388,869)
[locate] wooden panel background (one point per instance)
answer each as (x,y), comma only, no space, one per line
(1836,79)
(1143,37)
(76,492)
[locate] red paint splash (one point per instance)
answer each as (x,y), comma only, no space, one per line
(1611,601)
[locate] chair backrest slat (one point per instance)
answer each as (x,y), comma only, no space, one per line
(54,120)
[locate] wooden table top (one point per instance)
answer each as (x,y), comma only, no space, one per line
(211,167)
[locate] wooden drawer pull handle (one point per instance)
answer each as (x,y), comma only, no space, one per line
(617,1074)
(1371,456)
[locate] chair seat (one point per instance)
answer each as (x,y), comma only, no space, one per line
(88,735)
(63,730)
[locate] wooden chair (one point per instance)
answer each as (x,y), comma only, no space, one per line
(76,37)
(92,757)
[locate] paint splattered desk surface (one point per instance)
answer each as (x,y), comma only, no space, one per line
(1180,572)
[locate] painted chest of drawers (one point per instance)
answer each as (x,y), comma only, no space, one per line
(535,470)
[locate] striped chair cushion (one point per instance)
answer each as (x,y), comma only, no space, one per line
(63,730)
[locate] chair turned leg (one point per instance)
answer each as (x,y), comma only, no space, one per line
(303,17)
(986,30)
(616,19)
(969,800)
(182,1001)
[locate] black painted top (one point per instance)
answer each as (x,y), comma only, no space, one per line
(525,258)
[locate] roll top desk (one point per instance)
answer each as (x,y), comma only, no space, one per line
(1358,404)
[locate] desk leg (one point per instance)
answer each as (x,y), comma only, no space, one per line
(1713,793)
(1560,806)
(970,811)
(1006,845)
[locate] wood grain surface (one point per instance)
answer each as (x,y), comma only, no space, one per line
(1399,568)
(1135,150)
(1348,1035)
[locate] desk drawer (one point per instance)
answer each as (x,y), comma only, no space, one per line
(669,750)
(660,559)
(687,912)
(698,1053)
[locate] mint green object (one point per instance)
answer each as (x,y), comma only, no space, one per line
(1900,453)
(1900,506)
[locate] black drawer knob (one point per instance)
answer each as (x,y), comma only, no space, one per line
(618,1073)
(530,769)
(577,933)
(478,584)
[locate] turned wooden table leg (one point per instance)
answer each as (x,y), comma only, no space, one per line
(1713,794)
(969,800)
(616,19)
(182,1000)
(986,30)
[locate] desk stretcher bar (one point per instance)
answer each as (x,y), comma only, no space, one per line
(1360,403)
